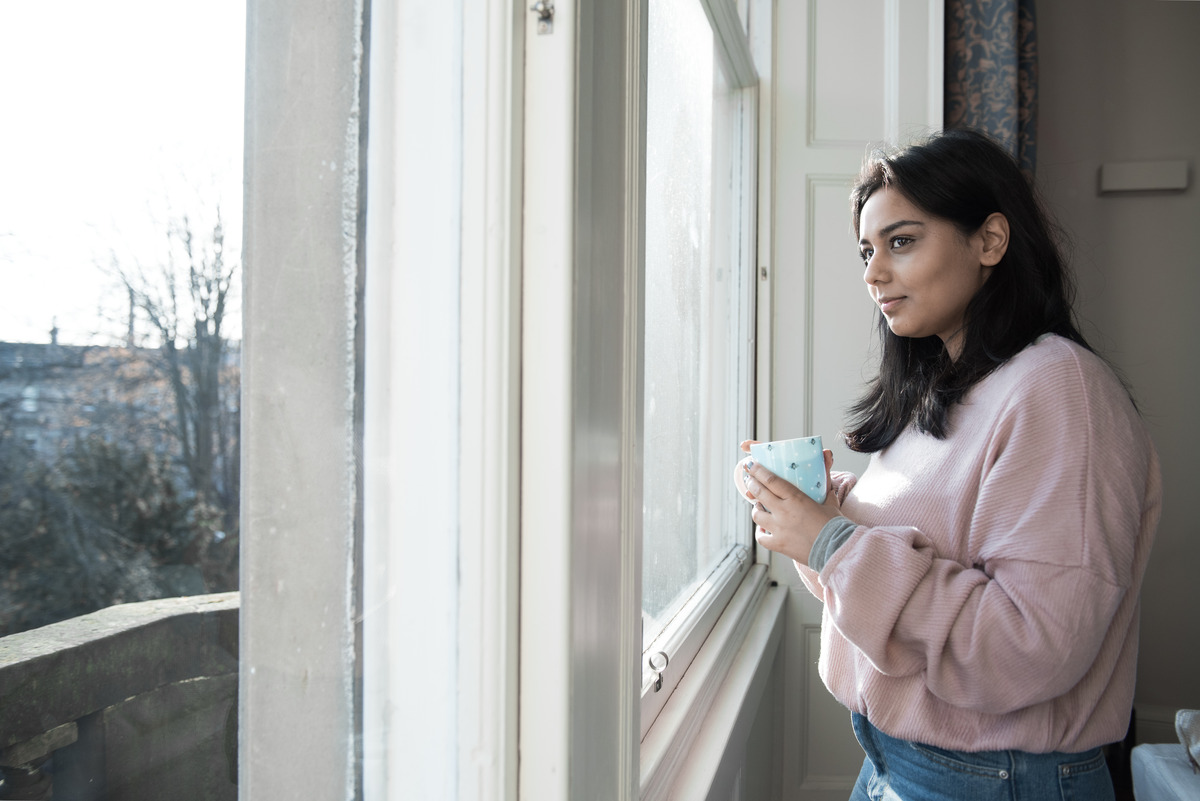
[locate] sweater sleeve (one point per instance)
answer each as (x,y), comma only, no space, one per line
(1059,507)
(833,535)
(840,484)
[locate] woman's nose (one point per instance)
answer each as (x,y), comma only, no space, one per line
(875,270)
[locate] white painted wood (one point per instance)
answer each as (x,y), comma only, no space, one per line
(715,764)
(413,485)
(683,642)
(665,749)
(761,13)
(730,33)
(489,374)
(846,84)
(580,477)
(546,437)
(822,755)
(847,73)
(843,321)
(832,757)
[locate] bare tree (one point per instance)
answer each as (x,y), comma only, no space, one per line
(186,301)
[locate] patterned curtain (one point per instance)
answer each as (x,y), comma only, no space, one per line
(991,72)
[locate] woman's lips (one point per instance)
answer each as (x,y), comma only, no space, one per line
(888,304)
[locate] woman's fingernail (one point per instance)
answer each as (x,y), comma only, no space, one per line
(749,465)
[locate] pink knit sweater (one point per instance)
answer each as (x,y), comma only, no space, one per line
(988,598)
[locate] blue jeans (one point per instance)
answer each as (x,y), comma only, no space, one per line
(902,770)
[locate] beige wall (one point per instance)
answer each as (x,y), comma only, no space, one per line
(1118,83)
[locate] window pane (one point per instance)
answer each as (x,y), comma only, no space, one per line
(697,311)
(120,220)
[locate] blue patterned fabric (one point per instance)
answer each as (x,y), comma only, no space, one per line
(991,72)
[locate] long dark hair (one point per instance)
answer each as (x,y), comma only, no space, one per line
(963,177)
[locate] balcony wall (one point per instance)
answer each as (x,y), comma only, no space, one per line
(137,701)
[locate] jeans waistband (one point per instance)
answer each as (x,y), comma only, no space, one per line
(907,769)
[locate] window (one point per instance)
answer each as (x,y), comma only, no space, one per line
(29,399)
(120,221)
(698,346)
(503,366)
(599,394)
(120,229)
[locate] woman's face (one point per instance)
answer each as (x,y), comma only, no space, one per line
(921,270)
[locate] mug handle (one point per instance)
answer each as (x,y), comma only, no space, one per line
(739,479)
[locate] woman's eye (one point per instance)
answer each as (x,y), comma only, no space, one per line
(901,241)
(866,255)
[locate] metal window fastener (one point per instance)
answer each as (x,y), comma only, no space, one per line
(652,662)
(545,16)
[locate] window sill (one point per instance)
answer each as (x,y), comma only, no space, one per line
(682,752)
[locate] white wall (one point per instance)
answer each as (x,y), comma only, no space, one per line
(1118,84)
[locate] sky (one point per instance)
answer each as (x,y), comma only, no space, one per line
(116,118)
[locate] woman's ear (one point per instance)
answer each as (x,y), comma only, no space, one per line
(994,239)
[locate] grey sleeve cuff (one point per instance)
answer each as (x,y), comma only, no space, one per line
(833,535)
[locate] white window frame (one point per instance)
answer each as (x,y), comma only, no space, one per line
(379,585)
(583,244)
(582,247)
(681,639)
(571,535)
(441,471)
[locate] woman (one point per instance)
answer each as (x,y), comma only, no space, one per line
(980,580)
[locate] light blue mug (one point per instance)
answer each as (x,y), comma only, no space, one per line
(799,461)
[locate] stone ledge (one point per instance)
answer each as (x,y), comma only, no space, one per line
(58,673)
(25,753)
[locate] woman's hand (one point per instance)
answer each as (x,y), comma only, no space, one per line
(788,521)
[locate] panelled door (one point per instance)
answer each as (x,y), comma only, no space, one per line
(848,73)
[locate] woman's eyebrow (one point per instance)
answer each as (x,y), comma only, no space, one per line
(887,229)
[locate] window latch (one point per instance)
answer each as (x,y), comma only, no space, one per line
(653,662)
(545,16)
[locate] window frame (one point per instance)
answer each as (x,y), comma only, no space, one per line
(572,256)
(583,246)
(582,249)
(681,639)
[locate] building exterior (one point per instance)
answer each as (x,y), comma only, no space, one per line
(51,394)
